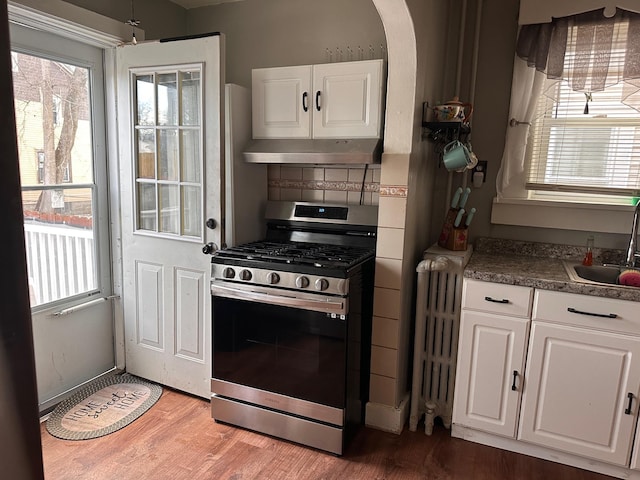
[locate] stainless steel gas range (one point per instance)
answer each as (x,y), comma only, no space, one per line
(292,325)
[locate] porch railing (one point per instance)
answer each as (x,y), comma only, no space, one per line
(60,261)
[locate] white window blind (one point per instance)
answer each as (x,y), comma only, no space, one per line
(596,153)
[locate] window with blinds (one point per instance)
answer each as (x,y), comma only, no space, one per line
(586,144)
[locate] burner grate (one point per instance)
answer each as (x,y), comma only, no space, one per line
(316,254)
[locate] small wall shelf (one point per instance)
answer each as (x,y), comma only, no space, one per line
(445,132)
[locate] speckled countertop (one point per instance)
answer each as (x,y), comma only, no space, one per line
(539,265)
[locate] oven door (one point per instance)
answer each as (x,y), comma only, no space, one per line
(272,342)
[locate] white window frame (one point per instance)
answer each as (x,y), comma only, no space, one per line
(60,49)
(520,207)
(86,27)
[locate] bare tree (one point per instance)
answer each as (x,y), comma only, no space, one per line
(58,157)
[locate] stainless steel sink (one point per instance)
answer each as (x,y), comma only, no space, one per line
(596,274)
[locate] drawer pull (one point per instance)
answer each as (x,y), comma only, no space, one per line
(627,410)
(489,299)
(515,377)
(603,315)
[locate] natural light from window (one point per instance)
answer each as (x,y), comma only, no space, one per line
(53,119)
(585,147)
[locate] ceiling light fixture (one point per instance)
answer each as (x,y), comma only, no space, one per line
(134,23)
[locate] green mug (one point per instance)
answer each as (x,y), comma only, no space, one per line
(456,156)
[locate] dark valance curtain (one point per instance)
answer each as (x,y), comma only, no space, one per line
(589,50)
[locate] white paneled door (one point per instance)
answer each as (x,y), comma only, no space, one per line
(170,102)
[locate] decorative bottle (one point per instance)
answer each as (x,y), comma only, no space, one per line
(588,256)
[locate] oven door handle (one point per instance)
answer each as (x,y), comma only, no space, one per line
(337,306)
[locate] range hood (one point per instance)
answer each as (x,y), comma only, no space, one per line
(317,151)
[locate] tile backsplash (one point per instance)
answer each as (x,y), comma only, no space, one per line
(351,185)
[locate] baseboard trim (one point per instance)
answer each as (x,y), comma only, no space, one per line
(519,446)
(388,418)
(49,405)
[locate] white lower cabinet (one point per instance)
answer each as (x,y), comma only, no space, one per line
(558,380)
(494,326)
(576,394)
(489,371)
(635,457)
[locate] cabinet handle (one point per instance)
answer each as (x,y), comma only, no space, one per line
(489,299)
(603,315)
(515,377)
(628,409)
(318,100)
(305,107)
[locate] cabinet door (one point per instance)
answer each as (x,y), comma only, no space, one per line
(487,394)
(347,99)
(576,391)
(635,457)
(281,102)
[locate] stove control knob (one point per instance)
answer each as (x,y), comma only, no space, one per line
(302,282)
(245,275)
(228,272)
(273,278)
(322,284)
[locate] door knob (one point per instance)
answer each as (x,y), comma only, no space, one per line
(211,223)
(209,248)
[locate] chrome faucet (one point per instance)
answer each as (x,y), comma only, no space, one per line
(632,252)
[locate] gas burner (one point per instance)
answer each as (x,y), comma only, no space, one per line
(293,253)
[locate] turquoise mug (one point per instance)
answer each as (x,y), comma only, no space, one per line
(456,156)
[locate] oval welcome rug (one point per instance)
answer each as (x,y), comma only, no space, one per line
(102,407)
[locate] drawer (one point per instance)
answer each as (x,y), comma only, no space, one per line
(498,298)
(608,314)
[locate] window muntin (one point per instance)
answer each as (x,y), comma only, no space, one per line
(168,152)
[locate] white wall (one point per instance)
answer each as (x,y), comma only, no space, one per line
(158,18)
(274,33)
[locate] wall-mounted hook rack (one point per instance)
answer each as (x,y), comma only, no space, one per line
(445,132)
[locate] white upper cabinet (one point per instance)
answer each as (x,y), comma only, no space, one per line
(347,99)
(281,102)
(334,100)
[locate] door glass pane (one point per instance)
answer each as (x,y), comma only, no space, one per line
(147,206)
(168,155)
(169,208)
(190,148)
(167,99)
(191,202)
(145,105)
(146,153)
(55,144)
(190,82)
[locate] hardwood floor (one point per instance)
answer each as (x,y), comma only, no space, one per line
(177,439)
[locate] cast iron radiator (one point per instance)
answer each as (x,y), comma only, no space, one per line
(437,324)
